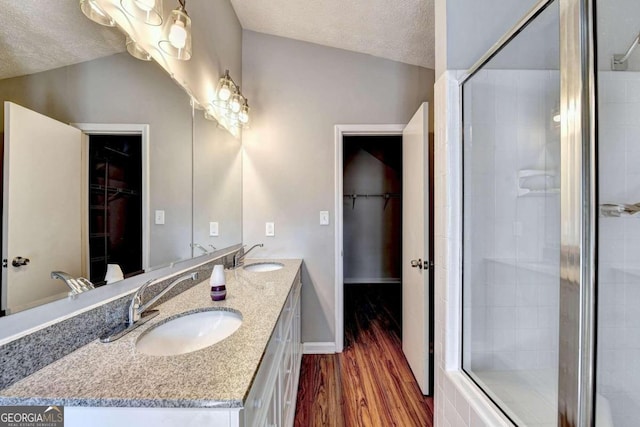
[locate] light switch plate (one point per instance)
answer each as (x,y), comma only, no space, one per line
(159,217)
(324,217)
(213,229)
(270,229)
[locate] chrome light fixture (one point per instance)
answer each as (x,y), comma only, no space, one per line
(176,39)
(93,11)
(147,11)
(230,108)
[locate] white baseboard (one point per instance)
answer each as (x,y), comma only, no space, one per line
(318,348)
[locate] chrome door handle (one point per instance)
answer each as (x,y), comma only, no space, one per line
(416,263)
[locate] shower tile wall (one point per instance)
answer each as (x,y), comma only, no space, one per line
(513,302)
(619,239)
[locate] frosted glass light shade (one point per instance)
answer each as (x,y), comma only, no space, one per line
(243,115)
(136,51)
(147,11)
(235,103)
(93,11)
(176,38)
(225,89)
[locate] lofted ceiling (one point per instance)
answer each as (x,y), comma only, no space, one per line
(400,30)
(41,35)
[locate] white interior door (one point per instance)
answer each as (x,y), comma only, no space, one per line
(42,210)
(415,246)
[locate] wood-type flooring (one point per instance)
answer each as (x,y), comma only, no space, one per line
(370,382)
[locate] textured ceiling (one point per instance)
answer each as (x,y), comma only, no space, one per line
(37,35)
(401,30)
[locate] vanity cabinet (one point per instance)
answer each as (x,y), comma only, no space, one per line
(246,393)
(272,398)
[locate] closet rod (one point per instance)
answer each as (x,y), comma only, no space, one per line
(385,196)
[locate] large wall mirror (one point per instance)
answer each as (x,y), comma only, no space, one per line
(107,170)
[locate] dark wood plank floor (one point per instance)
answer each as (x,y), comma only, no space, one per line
(370,383)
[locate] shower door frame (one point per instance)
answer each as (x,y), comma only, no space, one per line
(578,226)
(579,219)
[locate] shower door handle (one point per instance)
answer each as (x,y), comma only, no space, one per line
(416,263)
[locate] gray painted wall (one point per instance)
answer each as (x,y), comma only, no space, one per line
(299,92)
(472,27)
(372,229)
(217,185)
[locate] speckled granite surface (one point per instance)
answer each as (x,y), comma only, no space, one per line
(32,352)
(115,374)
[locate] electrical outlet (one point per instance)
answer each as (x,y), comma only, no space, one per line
(270,229)
(324,217)
(213,229)
(159,217)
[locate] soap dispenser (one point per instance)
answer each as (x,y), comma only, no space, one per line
(218,283)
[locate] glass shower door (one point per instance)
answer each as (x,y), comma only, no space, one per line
(618,350)
(511,225)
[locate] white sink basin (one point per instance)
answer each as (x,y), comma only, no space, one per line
(189,333)
(263,266)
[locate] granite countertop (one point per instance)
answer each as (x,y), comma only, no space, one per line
(218,376)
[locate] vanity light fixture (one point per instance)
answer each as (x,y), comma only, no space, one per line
(230,108)
(93,11)
(176,38)
(147,11)
(136,50)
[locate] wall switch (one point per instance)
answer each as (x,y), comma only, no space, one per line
(270,229)
(213,229)
(159,217)
(324,217)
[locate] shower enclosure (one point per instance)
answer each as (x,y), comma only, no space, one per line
(551,216)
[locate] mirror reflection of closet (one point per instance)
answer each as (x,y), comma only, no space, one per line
(115,207)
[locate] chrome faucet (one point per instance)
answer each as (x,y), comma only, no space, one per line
(238,258)
(137,310)
(138,314)
(199,246)
(77,286)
